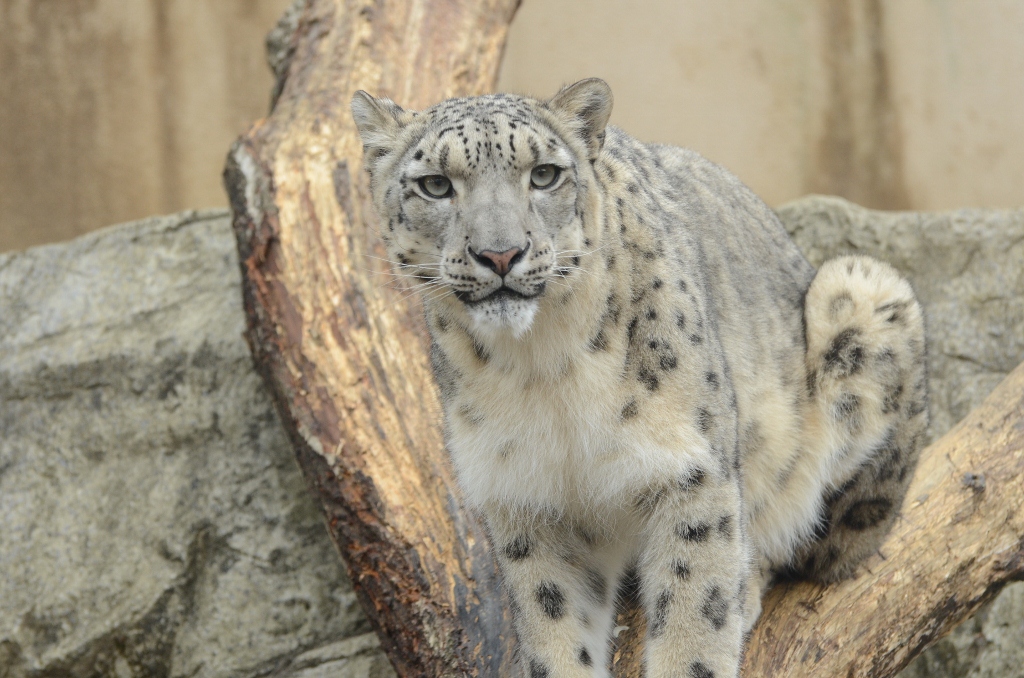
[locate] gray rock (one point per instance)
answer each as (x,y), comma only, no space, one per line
(356,657)
(153,521)
(967,268)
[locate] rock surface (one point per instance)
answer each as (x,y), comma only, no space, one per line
(153,521)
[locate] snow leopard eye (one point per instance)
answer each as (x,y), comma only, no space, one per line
(543,176)
(436,186)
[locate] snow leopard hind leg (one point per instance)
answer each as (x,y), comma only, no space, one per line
(866,375)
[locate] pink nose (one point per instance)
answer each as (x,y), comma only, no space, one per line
(499,262)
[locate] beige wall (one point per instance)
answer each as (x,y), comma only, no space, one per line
(892,103)
(116,109)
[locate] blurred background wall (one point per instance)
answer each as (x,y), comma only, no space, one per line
(116,109)
(112,110)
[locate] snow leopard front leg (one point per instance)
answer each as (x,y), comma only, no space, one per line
(560,579)
(694,577)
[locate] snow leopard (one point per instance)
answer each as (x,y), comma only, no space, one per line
(642,377)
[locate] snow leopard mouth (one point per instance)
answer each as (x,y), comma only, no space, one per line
(503,293)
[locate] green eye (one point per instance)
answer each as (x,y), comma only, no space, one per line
(436,186)
(543,176)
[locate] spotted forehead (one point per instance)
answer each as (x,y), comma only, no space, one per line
(502,130)
(485,110)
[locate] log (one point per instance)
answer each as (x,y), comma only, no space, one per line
(344,353)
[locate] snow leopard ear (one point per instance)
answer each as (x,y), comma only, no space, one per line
(587,104)
(379,121)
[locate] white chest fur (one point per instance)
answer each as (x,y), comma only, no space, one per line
(557,441)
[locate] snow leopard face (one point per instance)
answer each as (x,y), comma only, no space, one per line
(484,197)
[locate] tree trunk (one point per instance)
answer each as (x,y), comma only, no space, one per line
(345,355)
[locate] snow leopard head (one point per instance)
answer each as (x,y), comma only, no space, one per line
(484,198)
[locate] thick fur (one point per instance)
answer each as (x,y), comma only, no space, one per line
(659,385)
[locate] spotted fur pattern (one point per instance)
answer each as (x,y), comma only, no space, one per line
(659,384)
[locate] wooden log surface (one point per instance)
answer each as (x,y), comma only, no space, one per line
(345,355)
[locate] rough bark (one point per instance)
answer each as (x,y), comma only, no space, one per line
(345,354)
